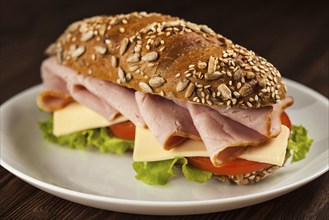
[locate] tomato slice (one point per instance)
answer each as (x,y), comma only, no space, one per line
(234,167)
(237,166)
(285,120)
(125,130)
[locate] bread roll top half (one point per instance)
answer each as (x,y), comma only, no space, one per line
(171,57)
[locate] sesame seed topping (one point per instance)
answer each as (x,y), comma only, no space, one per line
(236,94)
(122,29)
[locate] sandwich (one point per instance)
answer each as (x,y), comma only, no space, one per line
(175,93)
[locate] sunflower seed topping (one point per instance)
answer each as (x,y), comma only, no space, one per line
(114,61)
(129,77)
(250,75)
(262,83)
(78,51)
(87,36)
(245,90)
(202,65)
(193,26)
(146,87)
(152,56)
(213,76)
(177,75)
(206,29)
(190,89)
(121,75)
(212,64)
(156,81)
(100,49)
(134,58)
(182,85)
(123,46)
(224,91)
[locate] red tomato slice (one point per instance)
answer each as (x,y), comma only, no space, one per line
(285,120)
(237,166)
(124,130)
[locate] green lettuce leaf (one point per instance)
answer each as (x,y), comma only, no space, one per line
(160,172)
(194,174)
(299,143)
(98,138)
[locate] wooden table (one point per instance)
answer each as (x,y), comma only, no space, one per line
(292,35)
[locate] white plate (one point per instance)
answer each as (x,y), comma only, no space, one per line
(107,181)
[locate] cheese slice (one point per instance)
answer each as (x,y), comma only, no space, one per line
(273,151)
(76,117)
(148,149)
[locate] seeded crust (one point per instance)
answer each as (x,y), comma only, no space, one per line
(248,178)
(168,56)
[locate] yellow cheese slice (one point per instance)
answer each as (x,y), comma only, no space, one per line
(148,149)
(76,117)
(273,151)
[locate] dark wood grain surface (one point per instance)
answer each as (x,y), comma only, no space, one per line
(293,35)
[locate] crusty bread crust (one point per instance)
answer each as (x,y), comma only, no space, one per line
(165,55)
(248,178)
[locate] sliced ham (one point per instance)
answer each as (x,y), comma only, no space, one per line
(54,94)
(79,91)
(219,132)
(120,98)
(265,121)
(256,119)
(105,98)
(169,123)
(278,108)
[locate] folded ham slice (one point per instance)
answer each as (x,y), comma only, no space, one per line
(79,90)
(219,132)
(169,123)
(117,97)
(105,98)
(54,93)
(265,121)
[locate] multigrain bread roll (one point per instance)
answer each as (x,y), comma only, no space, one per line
(186,63)
(171,57)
